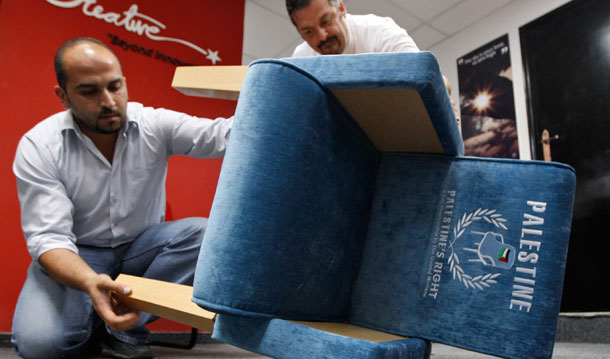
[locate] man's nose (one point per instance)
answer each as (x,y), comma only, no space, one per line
(106,99)
(321,34)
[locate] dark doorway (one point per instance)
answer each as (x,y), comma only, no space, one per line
(566,55)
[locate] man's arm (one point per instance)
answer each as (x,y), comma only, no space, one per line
(67,268)
(46,218)
(391,37)
(189,135)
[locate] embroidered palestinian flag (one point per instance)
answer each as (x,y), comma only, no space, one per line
(504,255)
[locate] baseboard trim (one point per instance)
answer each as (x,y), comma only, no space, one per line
(584,314)
(587,327)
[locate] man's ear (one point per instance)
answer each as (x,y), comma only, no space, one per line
(62,96)
(342,8)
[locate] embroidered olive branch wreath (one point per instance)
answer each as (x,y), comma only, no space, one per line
(481,281)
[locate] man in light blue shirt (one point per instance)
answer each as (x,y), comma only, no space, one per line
(91,184)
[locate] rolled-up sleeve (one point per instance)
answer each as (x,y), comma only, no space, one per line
(46,210)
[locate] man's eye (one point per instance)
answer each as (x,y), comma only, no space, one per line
(327,20)
(88,92)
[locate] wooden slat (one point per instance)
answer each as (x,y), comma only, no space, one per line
(396,120)
(352,331)
(166,300)
(210,81)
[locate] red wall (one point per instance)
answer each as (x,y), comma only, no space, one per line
(30,33)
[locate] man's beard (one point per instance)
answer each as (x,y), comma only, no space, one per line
(329,40)
(108,112)
(95,127)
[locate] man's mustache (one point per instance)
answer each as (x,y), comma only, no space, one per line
(106,112)
(327,41)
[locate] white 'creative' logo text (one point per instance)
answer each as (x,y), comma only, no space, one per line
(132,21)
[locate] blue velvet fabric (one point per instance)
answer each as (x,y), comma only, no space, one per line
(311,222)
(283,339)
(285,230)
(409,70)
(467,251)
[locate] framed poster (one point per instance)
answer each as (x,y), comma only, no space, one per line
(487,102)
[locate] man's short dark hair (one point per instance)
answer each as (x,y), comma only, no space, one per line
(294,5)
(60,69)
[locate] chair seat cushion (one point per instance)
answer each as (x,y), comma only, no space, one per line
(467,251)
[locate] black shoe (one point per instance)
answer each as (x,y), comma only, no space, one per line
(91,350)
(119,349)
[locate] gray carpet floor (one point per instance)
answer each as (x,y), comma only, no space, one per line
(579,336)
(439,351)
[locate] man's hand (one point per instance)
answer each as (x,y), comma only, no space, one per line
(102,290)
(67,268)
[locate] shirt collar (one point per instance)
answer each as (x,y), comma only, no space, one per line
(67,123)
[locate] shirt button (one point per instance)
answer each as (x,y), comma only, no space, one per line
(113,200)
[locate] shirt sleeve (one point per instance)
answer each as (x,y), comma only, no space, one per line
(194,136)
(46,210)
(393,38)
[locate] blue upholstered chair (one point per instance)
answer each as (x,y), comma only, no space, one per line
(344,197)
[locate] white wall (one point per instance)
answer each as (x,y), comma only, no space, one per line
(504,21)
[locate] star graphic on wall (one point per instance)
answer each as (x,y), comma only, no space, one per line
(213,56)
